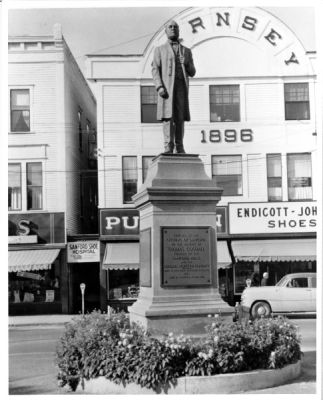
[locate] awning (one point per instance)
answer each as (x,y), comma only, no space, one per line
(275,250)
(223,255)
(31,260)
(121,256)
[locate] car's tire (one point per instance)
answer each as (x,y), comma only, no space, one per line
(260,309)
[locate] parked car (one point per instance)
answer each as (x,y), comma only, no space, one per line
(294,293)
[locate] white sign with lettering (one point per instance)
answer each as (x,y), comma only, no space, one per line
(83,251)
(276,217)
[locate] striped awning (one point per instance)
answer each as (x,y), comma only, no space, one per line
(275,250)
(121,256)
(31,260)
(223,256)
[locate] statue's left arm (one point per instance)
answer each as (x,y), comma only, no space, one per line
(189,64)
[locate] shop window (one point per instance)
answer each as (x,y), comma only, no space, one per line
(14,187)
(34,186)
(148,96)
(299,176)
(129,177)
(274,177)
(146,161)
(297,104)
(20,110)
(123,284)
(224,103)
(227,173)
(35,287)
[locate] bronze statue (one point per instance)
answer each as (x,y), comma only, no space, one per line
(172,65)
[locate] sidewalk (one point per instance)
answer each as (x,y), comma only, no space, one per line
(27,320)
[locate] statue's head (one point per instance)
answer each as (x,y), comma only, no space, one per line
(172,30)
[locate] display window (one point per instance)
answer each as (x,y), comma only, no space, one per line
(123,285)
(42,286)
(251,272)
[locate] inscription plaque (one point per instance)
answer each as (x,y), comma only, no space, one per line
(186,256)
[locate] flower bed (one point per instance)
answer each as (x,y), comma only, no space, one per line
(98,345)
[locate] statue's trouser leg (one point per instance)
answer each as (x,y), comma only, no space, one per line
(179,104)
(169,135)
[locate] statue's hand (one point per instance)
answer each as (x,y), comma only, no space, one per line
(181,59)
(163,93)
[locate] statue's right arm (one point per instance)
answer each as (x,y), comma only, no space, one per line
(156,69)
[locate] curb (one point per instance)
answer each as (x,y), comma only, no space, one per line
(216,384)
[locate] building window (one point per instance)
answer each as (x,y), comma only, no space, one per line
(34,186)
(19,110)
(14,187)
(299,173)
(274,177)
(79,116)
(224,103)
(227,173)
(146,161)
(129,178)
(297,104)
(148,104)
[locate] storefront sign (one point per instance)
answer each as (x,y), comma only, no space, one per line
(186,256)
(119,222)
(276,217)
(22,239)
(83,251)
(45,227)
(221,221)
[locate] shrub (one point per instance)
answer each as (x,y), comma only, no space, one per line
(99,345)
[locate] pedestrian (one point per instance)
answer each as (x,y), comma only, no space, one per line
(264,281)
(255,279)
(172,65)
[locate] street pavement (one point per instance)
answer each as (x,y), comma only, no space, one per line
(32,344)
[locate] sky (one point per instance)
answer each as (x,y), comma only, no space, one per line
(127,30)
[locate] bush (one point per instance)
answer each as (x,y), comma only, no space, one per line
(96,345)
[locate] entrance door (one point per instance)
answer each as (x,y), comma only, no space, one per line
(87,273)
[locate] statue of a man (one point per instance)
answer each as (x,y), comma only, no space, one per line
(172,65)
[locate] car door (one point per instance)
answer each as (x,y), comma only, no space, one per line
(296,296)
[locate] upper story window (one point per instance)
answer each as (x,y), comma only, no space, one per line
(25,186)
(19,110)
(227,173)
(34,186)
(148,104)
(274,177)
(224,103)
(299,174)
(297,104)
(129,177)
(146,161)
(14,187)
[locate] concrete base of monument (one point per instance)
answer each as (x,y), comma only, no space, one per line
(187,314)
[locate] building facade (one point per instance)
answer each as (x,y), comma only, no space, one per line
(52,172)
(253,123)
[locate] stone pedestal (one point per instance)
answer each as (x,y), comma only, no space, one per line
(178,272)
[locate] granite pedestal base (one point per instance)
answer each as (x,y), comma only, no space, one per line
(178,256)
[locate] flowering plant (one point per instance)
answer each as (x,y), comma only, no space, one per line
(100,345)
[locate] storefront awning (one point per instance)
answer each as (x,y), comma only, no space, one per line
(275,250)
(31,260)
(223,255)
(121,256)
